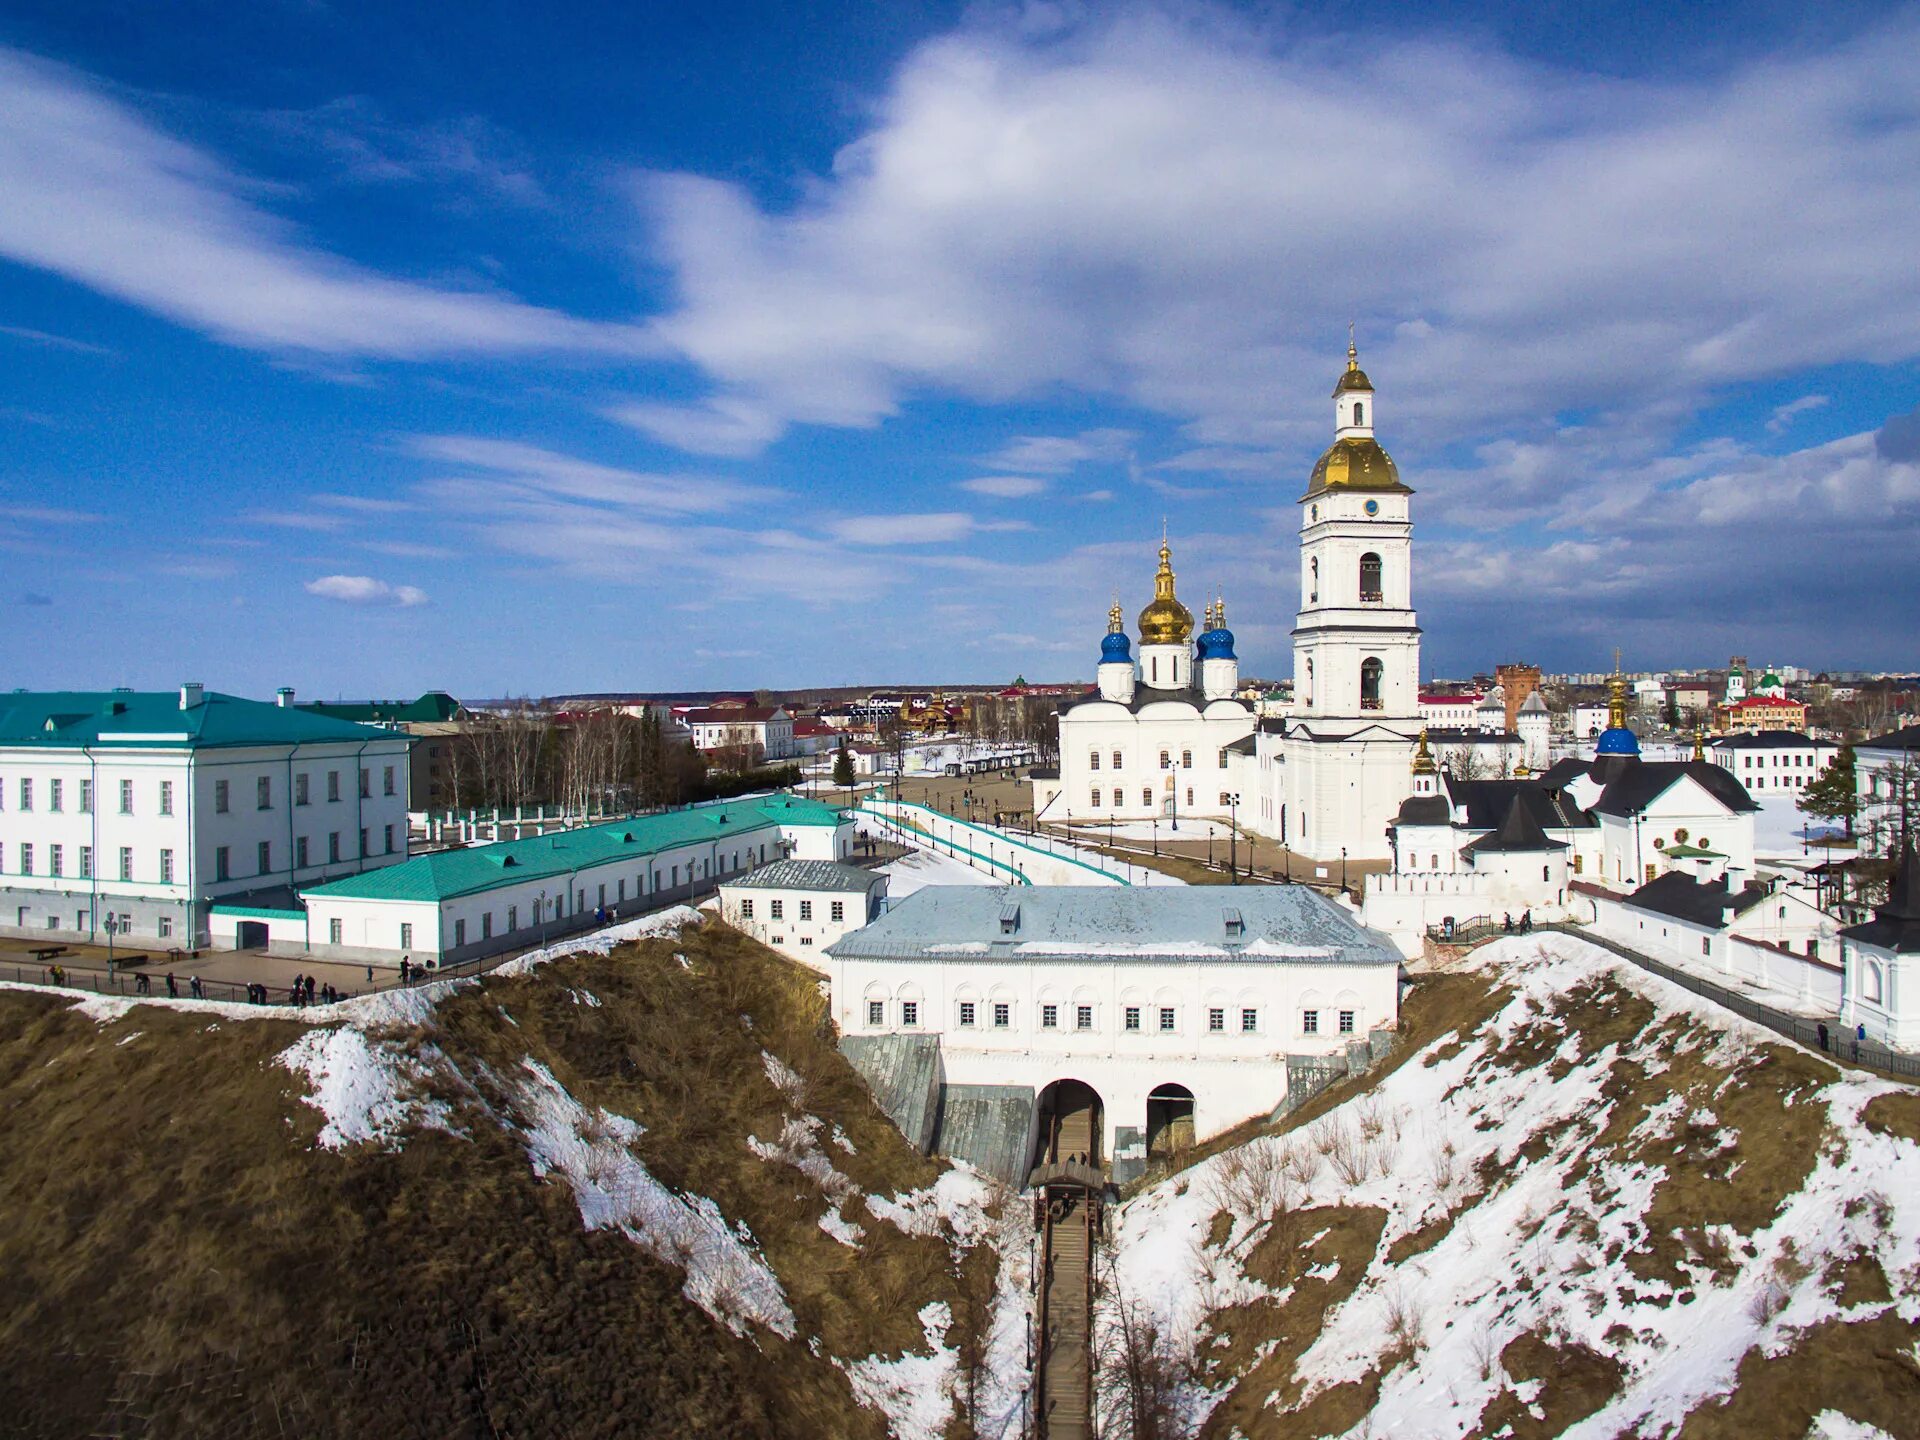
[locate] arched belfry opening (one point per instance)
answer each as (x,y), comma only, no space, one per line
(1370,576)
(1071,1121)
(1169,1121)
(1370,672)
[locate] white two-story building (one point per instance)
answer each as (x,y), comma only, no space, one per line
(153,807)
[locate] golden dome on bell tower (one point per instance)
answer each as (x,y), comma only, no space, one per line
(1165,621)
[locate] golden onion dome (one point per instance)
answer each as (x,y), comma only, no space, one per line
(1165,621)
(1354,378)
(1356,463)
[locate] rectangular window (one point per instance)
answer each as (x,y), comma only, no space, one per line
(56,859)
(363,844)
(777,909)
(838,911)
(459,933)
(266,857)
(1186,759)
(386,781)
(876,1012)
(746,909)
(86,797)
(1096,797)
(334,928)
(1116,759)
(1002,1015)
(86,862)
(486,925)
(806,909)
(1166,1017)
(1093,760)
(26,868)
(513,918)
(1146,795)
(26,794)
(1309,1022)
(909,1012)
(333,785)
(406,935)
(263,793)
(300,853)
(1706,942)
(1166,762)
(126,862)
(1216,1021)
(219,797)
(166,867)
(1083,1017)
(223,863)
(1049,1017)
(300,790)
(389,837)
(966,1012)
(1346,1022)
(166,797)
(126,797)
(1133,1017)
(166,927)
(333,847)
(366,784)
(1223,760)
(1249,1021)
(55,795)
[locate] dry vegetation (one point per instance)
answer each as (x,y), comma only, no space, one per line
(179,1260)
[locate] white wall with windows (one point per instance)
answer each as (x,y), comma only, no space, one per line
(1221,1028)
(154,835)
(800,921)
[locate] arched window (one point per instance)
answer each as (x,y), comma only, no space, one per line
(1313,573)
(1870,986)
(1370,669)
(1358,411)
(1370,576)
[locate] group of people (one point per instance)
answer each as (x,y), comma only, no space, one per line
(1524,927)
(305,991)
(143,985)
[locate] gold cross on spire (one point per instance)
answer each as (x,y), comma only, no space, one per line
(1353,352)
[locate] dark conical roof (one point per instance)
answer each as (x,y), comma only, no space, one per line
(1520,831)
(1895,925)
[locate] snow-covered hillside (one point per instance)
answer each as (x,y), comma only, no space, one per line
(1595,1206)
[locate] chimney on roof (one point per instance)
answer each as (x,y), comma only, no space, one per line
(283,697)
(191,694)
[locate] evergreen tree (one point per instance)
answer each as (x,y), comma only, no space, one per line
(1834,796)
(843,766)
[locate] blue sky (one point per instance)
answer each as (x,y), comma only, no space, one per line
(788,345)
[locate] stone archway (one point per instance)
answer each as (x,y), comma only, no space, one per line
(1169,1121)
(1072,1120)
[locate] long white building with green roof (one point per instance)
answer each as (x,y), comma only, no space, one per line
(457,905)
(155,807)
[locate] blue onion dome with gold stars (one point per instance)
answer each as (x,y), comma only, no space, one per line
(1114,646)
(1617,739)
(1216,641)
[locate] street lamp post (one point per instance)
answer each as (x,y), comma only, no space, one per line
(1233,838)
(541,901)
(109,929)
(1343,869)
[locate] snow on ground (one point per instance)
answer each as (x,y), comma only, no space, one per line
(1147,830)
(919,868)
(725,1275)
(599,942)
(1779,828)
(914,1392)
(367,1090)
(1543,1252)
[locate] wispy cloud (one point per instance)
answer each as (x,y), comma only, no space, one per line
(1006,487)
(365,590)
(101,196)
(548,470)
(295,520)
(49,515)
(52,341)
(1056,454)
(1784,415)
(931,529)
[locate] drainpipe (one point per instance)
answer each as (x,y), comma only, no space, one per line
(93,819)
(293,878)
(359,801)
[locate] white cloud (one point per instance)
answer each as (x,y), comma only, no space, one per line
(1144,205)
(1056,454)
(1784,415)
(365,590)
(511,462)
(904,529)
(1006,487)
(723,425)
(97,194)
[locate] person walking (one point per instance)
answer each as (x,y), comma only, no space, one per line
(195,988)
(1822,1027)
(1506,922)
(369,974)
(1526,922)
(1858,1036)
(406,969)
(309,989)
(141,984)
(173,990)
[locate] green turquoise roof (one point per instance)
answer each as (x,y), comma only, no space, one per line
(449,873)
(61,719)
(434,707)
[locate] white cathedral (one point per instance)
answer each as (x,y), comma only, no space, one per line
(1167,737)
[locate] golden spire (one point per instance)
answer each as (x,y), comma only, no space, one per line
(1617,696)
(1165,621)
(1699,743)
(1116,618)
(1220,613)
(1423,757)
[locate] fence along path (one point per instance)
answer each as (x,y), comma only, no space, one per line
(1842,1043)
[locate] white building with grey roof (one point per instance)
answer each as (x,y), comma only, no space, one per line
(1182,1010)
(800,907)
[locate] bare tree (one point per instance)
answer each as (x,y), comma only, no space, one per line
(1143,1370)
